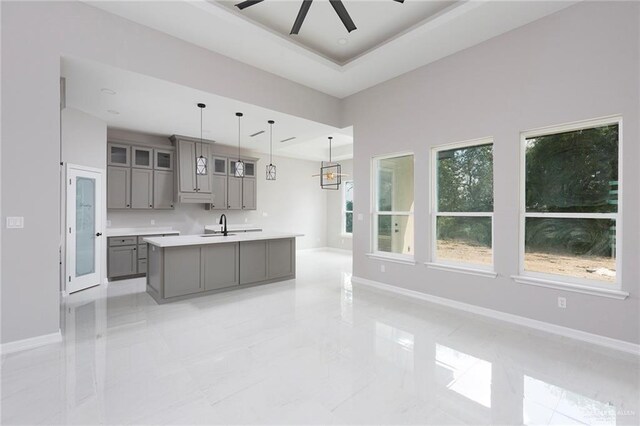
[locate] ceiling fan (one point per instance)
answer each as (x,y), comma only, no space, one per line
(304,8)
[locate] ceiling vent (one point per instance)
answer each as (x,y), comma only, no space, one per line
(256,134)
(289,139)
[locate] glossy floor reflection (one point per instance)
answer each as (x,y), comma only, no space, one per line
(309,351)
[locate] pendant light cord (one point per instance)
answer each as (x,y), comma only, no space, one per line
(201,131)
(239,138)
(270,143)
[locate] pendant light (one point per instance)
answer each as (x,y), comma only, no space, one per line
(271,169)
(330,173)
(239,167)
(201,162)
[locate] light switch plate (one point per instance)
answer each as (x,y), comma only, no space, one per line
(360,216)
(15,222)
(153,222)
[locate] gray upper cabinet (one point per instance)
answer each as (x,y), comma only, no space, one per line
(163,189)
(194,185)
(132,185)
(118,187)
(234,193)
(163,159)
(141,189)
(141,158)
(219,192)
(118,155)
(219,165)
(248,194)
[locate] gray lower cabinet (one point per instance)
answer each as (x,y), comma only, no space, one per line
(123,261)
(216,261)
(118,187)
(163,189)
(141,189)
(281,258)
(177,272)
(253,267)
(182,269)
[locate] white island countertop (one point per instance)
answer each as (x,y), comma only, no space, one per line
(196,240)
(232,228)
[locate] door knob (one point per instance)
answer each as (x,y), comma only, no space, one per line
(98,234)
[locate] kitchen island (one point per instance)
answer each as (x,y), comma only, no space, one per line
(180,267)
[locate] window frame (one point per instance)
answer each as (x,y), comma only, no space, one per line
(374,213)
(435,262)
(343,226)
(566,281)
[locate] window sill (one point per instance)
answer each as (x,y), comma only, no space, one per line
(394,259)
(462,270)
(577,288)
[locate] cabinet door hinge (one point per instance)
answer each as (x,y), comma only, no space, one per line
(69,278)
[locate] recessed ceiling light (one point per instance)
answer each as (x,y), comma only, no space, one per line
(342,41)
(113,111)
(108,91)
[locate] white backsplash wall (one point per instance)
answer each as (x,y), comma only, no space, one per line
(292,203)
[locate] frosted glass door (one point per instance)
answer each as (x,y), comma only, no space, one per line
(85,226)
(84,246)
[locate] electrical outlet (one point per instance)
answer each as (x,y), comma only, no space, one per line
(562,302)
(360,216)
(265,214)
(246,219)
(16,222)
(383,268)
(108,223)
(153,222)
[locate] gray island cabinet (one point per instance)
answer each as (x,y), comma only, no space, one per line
(194,265)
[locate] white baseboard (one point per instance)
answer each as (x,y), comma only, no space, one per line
(30,343)
(595,339)
(338,250)
(329,249)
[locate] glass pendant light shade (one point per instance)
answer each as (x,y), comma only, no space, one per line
(271,172)
(238,170)
(201,161)
(271,169)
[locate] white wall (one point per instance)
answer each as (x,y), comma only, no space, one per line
(335,238)
(84,139)
(293,202)
(577,64)
(34,37)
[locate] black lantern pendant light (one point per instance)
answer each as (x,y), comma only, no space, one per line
(201,162)
(271,169)
(330,173)
(239,168)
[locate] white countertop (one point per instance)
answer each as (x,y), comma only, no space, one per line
(194,240)
(233,228)
(129,232)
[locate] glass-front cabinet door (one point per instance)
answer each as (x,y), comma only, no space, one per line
(118,155)
(219,166)
(249,169)
(163,159)
(142,157)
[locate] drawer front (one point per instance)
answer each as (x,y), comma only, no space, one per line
(142,266)
(142,251)
(122,241)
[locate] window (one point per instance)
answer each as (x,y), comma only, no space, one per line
(393,205)
(463,204)
(347,208)
(570,203)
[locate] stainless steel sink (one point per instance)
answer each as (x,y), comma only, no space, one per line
(215,235)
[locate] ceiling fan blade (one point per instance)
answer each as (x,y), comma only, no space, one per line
(343,14)
(302,13)
(399,1)
(247,3)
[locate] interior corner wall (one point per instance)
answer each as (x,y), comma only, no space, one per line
(84,143)
(335,237)
(35,35)
(579,63)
